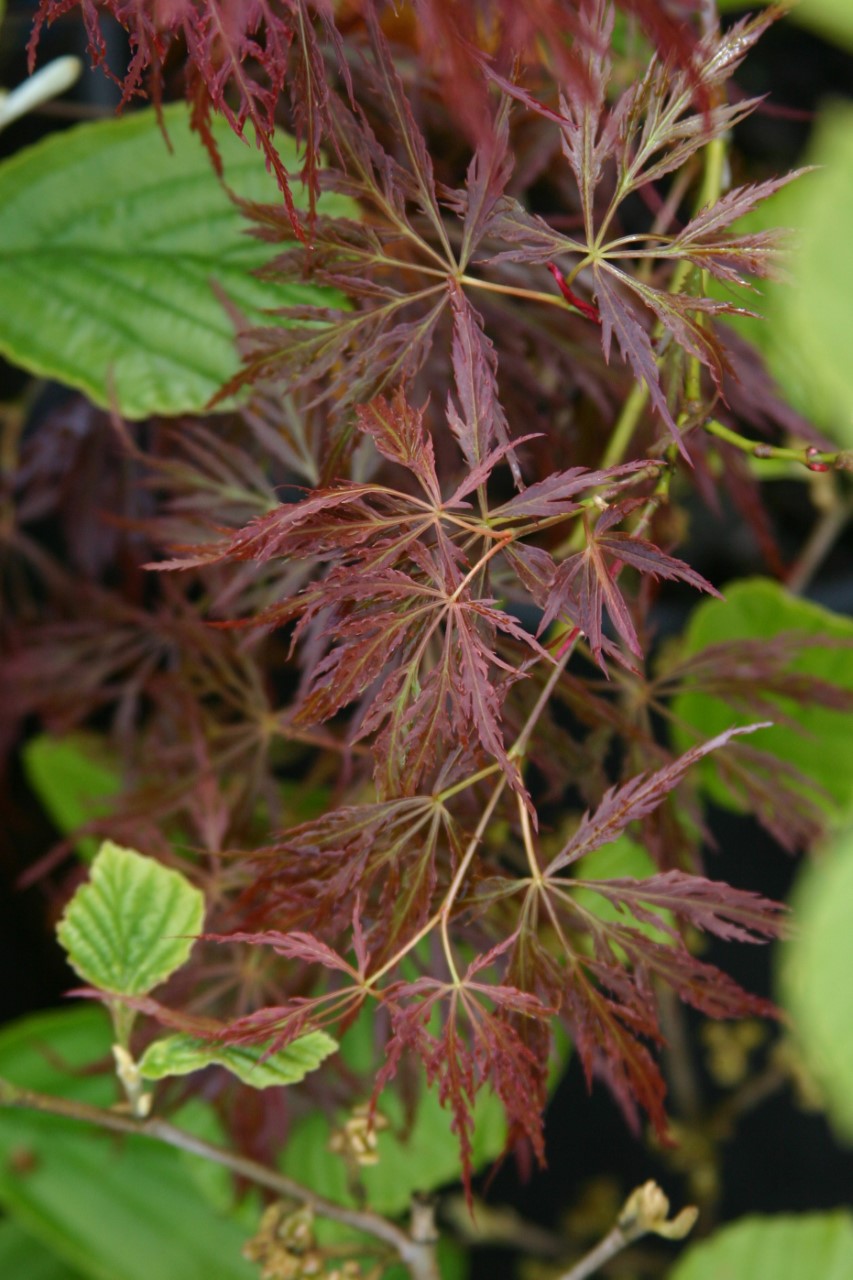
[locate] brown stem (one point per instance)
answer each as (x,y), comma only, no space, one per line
(418,1257)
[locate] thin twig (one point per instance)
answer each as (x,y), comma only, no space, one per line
(418,1257)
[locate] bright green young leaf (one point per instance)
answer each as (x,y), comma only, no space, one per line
(73,779)
(23,1258)
(785,1247)
(814,982)
(807,314)
(133,924)
(109,243)
(814,310)
(107,1209)
(178,1055)
(756,609)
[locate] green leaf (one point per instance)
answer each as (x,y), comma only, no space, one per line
(419,1159)
(814,985)
(806,315)
(111,1210)
(74,781)
(786,1247)
(178,1055)
(812,313)
(127,930)
(23,1258)
(757,609)
(109,243)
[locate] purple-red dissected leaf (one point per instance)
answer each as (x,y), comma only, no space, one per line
(619,317)
(737,915)
(701,985)
(396,105)
(644,556)
(478,476)
(397,430)
(234,51)
(755,676)
(377,861)
(480,420)
(293,946)
(279,532)
(605,1013)
(623,805)
(585,584)
(488,174)
(556,493)
(729,257)
(477,1046)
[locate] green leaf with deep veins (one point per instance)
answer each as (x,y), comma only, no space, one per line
(783,1247)
(179,1055)
(819,738)
(133,924)
(109,246)
(105,1208)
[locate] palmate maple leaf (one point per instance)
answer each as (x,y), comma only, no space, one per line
(586,584)
(398,618)
(398,610)
(652,129)
(465,1034)
(398,264)
(601,970)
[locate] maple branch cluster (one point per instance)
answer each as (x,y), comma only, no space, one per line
(422,614)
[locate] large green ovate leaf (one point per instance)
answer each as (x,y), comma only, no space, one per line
(74,780)
(133,924)
(815,984)
(786,1247)
(179,1055)
(107,1208)
(814,314)
(757,609)
(109,243)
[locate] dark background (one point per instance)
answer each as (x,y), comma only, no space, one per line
(779,1158)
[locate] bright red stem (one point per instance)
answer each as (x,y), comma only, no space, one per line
(585,308)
